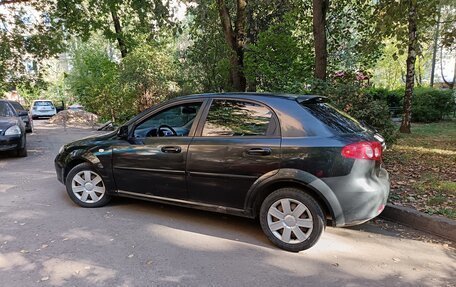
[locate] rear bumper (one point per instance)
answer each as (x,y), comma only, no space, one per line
(361,196)
(10,143)
(43,113)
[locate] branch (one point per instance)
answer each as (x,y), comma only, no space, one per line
(7,2)
(226,24)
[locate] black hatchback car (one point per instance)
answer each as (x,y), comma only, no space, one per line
(12,130)
(294,162)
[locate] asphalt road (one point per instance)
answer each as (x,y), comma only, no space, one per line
(46,240)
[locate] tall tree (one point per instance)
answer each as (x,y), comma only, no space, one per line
(320,8)
(236,40)
(407,21)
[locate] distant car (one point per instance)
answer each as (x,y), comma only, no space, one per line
(12,130)
(292,161)
(43,108)
(24,114)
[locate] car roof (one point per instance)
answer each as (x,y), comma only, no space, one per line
(251,95)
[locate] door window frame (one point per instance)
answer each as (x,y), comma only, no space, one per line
(274,119)
(159,109)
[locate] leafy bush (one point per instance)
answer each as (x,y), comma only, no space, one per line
(145,75)
(428,104)
(93,81)
(393,98)
(431,105)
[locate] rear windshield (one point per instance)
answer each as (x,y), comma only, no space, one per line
(43,103)
(337,120)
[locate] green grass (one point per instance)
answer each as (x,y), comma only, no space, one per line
(446,129)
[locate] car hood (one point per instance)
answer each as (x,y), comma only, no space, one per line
(6,122)
(92,140)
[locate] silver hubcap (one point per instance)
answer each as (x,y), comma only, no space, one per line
(88,186)
(290,220)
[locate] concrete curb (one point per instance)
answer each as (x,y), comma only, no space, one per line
(437,225)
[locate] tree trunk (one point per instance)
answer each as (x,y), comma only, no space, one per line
(236,41)
(410,76)
(435,47)
(119,36)
(319,32)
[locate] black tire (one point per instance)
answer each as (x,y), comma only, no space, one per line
(22,152)
(104,199)
(313,213)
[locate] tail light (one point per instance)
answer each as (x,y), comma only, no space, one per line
(363,150)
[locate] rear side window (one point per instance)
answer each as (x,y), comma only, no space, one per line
(237,118)
(43,103)
(333,118)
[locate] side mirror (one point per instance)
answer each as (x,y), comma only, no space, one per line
(23,113)
(122,132)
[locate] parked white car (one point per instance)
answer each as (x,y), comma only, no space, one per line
(43,108)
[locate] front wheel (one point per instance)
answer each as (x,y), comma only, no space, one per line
(291,219)
(86,187)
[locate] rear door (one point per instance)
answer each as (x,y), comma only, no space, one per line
(236,142)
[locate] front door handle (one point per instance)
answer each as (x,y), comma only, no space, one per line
(171,149)
(259,151)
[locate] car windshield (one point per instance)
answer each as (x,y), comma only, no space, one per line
(43,103)
(335,119)
(5,110)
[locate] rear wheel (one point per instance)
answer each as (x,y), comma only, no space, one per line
(86,187)
(292,219)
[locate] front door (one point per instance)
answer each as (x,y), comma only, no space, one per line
(153,160)
(238,143)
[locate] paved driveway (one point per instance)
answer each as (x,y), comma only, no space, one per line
(46,240)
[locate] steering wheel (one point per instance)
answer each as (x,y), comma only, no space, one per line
(166,127)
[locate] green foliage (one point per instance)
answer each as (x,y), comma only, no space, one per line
(27,37)
(118,91)
(431,105)
(204,63)
(147,74)
(137,18)
(276,63)
(94,82)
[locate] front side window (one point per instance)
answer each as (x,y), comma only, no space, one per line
(17,106)
(237,118)
(5,110)
(173,121)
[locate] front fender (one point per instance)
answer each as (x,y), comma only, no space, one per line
(99,158)
(322,190)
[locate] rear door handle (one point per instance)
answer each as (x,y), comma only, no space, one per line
(259,151)
(171,149)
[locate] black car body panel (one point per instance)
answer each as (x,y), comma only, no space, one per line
(233,173)
(11,142)
(23,114)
